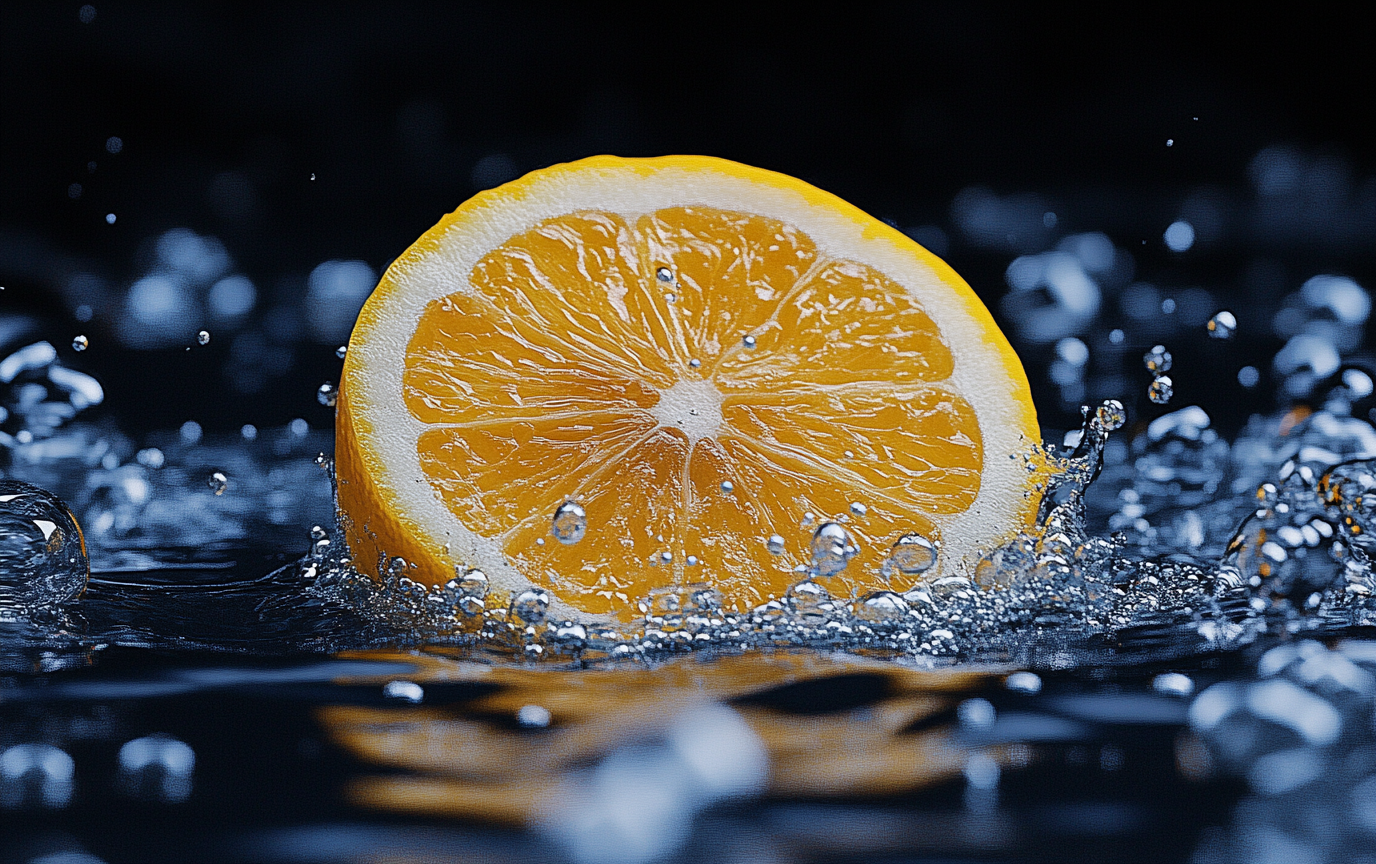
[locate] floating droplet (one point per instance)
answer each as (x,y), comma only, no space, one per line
(42,555)
(1111,415)
(692,561)
(530,606)
(832,549)
(727,487)
(1222,325)
(664,274)
(695,363)
(775,544)
(109,218)
(80,343)
(910,555)
(748,341)
(341,351)
(203,337)
(217,482)
(1157,360)
(858,509)
(1161,390)
(327,394)
(570,523)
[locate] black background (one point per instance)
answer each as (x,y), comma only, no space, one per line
(226,110)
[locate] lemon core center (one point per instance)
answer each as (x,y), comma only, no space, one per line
(693,406)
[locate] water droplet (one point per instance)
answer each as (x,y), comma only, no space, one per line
(692,561)
(109,218)
(911,554)
(858,509)
(42,557)
(530,606)
(203,337)
(1222,325)
(248,432)
(666,557)
(748,341)
(1157,360)
(775,544)
(882,607)
(832,549)
(1248,376)
(570,523)
(80,343)
(727,487)
(1161,390)
(533,717)
(406,691)
(807,595)
(341,351)
(217,482)
(1111,415)
(671,297)
(664,274)
(695,363)
(326,394)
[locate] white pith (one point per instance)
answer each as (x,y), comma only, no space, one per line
(979,375)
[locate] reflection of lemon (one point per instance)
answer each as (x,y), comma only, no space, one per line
(700,355)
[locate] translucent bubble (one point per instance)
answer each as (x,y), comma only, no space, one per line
(1161,390)
(341,351)
(406,691)
(1222,325)
(664,274)
(858,509)
(1248,376)
(326,394)
(42,553)
(881,607)
(109,218)
(1111,415)
(748,341)
(832,549)
(80,343)
(203,337)
(911,554)
(775,544)
(695,363)
(727,487)
(1157,360)
(217,482)
(533,717)
(570,523)
(530,606)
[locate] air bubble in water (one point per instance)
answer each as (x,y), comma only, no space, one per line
(832,549)
(1157,360)
(1111,415)
(910,555)
(858,509)
(1222,325)
(203,337)
(42,554)
(664,274)
(327,394)
(217,482)
(530,606)
(748,341)
(570,523)
(80,343)
(1161,390)
(341,351)
(727,487)
(775,544)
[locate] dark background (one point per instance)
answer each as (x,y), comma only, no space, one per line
(224,112)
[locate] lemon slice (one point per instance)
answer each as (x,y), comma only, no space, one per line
(701,363)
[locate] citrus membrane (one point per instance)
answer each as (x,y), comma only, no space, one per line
(620,374)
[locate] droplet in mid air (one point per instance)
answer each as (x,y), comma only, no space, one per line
(832,549)
(1111,415)
(910,555)
(1161,390)
(217,482)
(1222,325)
(80,343)
(1157,360)
(203,337)
(42,553)
(327,394)
(341,351)
(570,523)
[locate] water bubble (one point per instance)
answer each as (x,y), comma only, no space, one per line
(80,343)
(533,717)
(858,509)
(150,457)
(775,544)
(248,432)
(1222,325)
(530,606)
(1161,390)
(298,427)
(109,218)
(341,351)
(217,482)
(86,14)
(1116,336)
(570,523)
(1179,236)
(1024,682)
(727,487)
(664,274)
(203,337)
(327,394)
(695,363)
(42,553)
(1111,415)
(691,561)
(114,144)
(1173,684)
(748,341)
(832,549)
(190,432)
(1157,360)
(406,691)
(1248,376)
(911,554)
(881,607)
